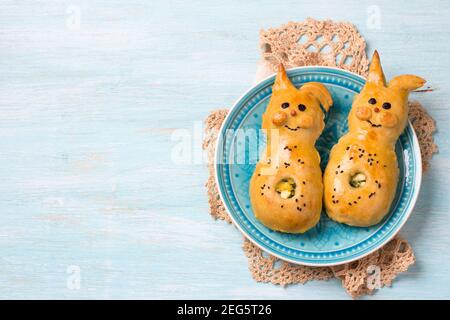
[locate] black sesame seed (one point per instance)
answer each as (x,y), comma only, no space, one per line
(386,105)
(372,101)
(354,202)
(347,148)
(301,107)
(285,105)
(349,203)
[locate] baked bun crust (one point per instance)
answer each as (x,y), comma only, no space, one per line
(361,177)
(286,188)
(295,214)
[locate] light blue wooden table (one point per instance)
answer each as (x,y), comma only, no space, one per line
(91,204)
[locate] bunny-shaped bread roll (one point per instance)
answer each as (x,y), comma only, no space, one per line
(362,173)
(286,188)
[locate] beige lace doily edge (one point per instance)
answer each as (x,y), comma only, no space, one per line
(345,50)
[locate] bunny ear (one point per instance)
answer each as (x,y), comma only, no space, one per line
(282,81)
(376,74)
(406,82)
(320,92)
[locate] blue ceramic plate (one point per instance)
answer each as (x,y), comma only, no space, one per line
(329,243)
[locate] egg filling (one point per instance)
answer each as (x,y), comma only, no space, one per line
(358,180)
(286,188)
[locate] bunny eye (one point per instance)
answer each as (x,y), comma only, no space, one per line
(301,107)
(386,105)
(285,105)
(372,101)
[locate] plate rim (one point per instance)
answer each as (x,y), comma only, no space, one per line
(417,182)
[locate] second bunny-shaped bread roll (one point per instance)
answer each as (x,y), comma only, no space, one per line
(286,188)
(361,177)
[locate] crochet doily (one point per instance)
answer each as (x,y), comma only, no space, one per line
(282,44)
(312,42)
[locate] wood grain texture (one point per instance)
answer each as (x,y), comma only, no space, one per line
(86,120)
